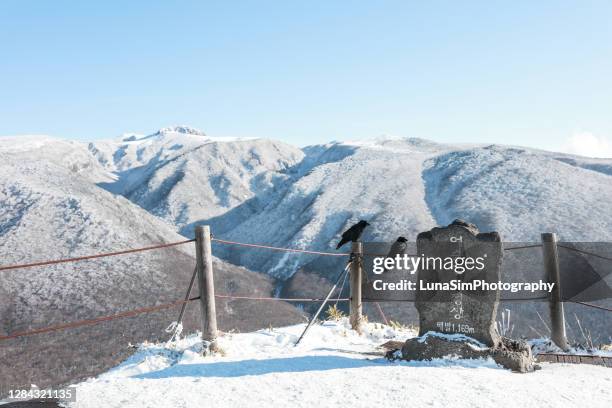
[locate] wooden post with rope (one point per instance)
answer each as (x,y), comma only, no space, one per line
(355,316)
(551,264)
(207,288)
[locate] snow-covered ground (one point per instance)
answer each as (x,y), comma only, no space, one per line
(329,369)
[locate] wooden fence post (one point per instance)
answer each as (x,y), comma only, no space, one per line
(207,288)
(551,264)
(356,317)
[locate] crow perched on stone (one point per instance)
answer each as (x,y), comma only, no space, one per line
(353,234)
(397,248)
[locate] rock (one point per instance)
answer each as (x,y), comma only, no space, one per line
(515,355)
(437,345)
(511,354)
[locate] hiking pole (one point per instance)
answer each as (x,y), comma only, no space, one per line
(314,318)
(175,328)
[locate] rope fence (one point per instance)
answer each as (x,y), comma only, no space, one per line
(86,257)
(136,312)
(228,242)
(183,302)
(88,322)
(261,246)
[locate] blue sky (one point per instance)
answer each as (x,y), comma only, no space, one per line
(521,72)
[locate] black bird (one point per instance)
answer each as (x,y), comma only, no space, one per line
(353,234)
(397,248)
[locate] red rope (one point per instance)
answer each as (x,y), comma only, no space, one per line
(584,252)
(82,258)
(96,320)
(592,305)
(136,312)
(304,251)
(522,247)
(277,299)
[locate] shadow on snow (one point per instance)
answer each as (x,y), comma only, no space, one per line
(259,367)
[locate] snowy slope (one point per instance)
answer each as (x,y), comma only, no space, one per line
(51,208)
(71,155)
(521,193)
(183,176)
(268,192)
(407,186)
(378,181)
(328,369)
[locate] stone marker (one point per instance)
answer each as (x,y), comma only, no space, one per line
(470,313)
(462,322)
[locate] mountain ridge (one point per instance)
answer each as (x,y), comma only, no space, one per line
(306,197)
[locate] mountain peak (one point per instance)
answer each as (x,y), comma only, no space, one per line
(181,129)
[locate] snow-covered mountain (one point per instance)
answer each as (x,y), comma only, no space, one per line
(65,198)
(403,187)
(51,208)
(269,192)
(521,192)
(263,191)
(340,184)
(183,176)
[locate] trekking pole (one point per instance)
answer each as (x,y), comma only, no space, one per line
(314,318)
(175,327)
